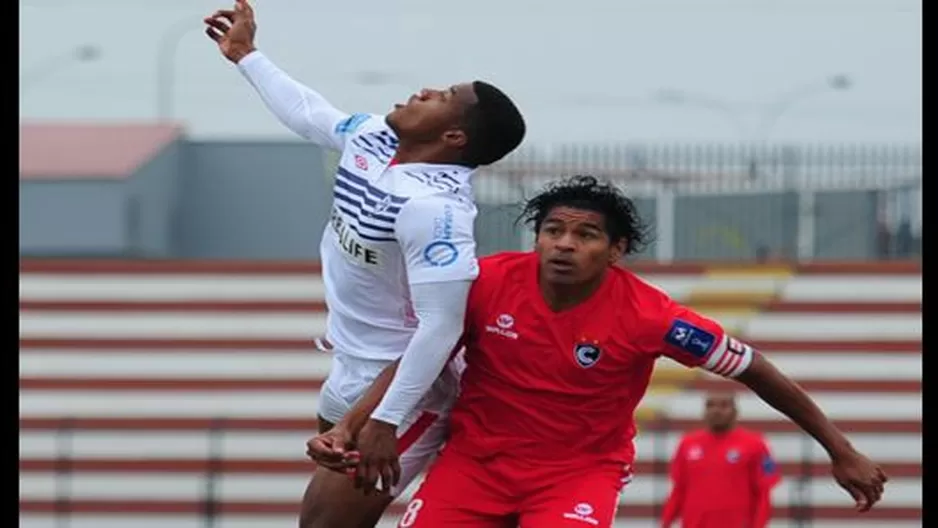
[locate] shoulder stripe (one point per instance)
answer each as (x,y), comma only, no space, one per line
(358,142)
(376,146)
(386,138)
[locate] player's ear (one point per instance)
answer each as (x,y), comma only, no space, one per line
(455,138)
(617,251)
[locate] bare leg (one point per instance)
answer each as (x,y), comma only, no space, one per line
(331,501)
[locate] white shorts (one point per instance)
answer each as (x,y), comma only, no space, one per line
(421,434)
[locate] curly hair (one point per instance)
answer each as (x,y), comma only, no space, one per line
(622,220)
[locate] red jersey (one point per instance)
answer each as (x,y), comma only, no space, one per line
(545,385)
(721,481)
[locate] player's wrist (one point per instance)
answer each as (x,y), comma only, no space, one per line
(381,423)
(239,53)
(833,441)
(840,449)
(352,424)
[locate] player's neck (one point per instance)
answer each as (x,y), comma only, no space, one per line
(424,153)
(721,432)
(560,297)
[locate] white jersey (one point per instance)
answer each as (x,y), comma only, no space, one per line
(389,227)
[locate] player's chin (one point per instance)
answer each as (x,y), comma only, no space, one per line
(561,275)
(393,118)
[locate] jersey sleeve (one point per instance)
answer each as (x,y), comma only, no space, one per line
(698,341)
(300,108)
(765,474)
(436,238)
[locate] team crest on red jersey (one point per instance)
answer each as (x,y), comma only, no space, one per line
(587,354)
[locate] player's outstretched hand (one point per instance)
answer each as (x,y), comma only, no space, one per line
(331,449)
(861,477)
(377,450)
(233,30)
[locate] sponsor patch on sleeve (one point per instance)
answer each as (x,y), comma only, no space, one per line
(690,338)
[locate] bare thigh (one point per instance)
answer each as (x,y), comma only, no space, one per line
(331,501)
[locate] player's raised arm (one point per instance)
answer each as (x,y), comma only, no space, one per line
(435,234)
(299,108)
(697,341)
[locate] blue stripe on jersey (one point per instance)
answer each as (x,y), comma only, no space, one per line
(387,138)
(353,227)
(361,223)
(439,180)
(346,189)
(363,183)
(358,143)
(358,212)
(445,176)
(376,146)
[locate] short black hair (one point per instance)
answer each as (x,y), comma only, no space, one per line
(622,220)
(494,125)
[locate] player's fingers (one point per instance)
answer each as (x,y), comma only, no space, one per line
(371,479)
(322,446)
(227,14)
(858,497)
(387,478)
(873,491)
(372,475)
(365,476)
(395,472)
(212,34)
(218,24)
(243,7)
(325,456)
(882,475)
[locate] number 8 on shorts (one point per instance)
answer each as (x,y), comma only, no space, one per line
(410,513)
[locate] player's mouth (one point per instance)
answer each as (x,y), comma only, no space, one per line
(560,265)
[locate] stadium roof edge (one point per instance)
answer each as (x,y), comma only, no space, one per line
(77,150)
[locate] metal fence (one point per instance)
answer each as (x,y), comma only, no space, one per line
(732,202)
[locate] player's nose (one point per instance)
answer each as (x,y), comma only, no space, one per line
(565,243)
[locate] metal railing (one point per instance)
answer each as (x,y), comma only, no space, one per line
(733,202)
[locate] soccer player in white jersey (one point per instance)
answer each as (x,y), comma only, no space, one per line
(398,254)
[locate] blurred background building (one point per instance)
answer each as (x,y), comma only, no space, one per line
(169,228)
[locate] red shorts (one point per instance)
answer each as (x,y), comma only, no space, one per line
(503,492)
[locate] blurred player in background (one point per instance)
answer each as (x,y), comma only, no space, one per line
(560,345)
(722,475)
(398,255)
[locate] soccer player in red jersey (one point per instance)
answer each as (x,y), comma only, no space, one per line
(560,345)
(723,475)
